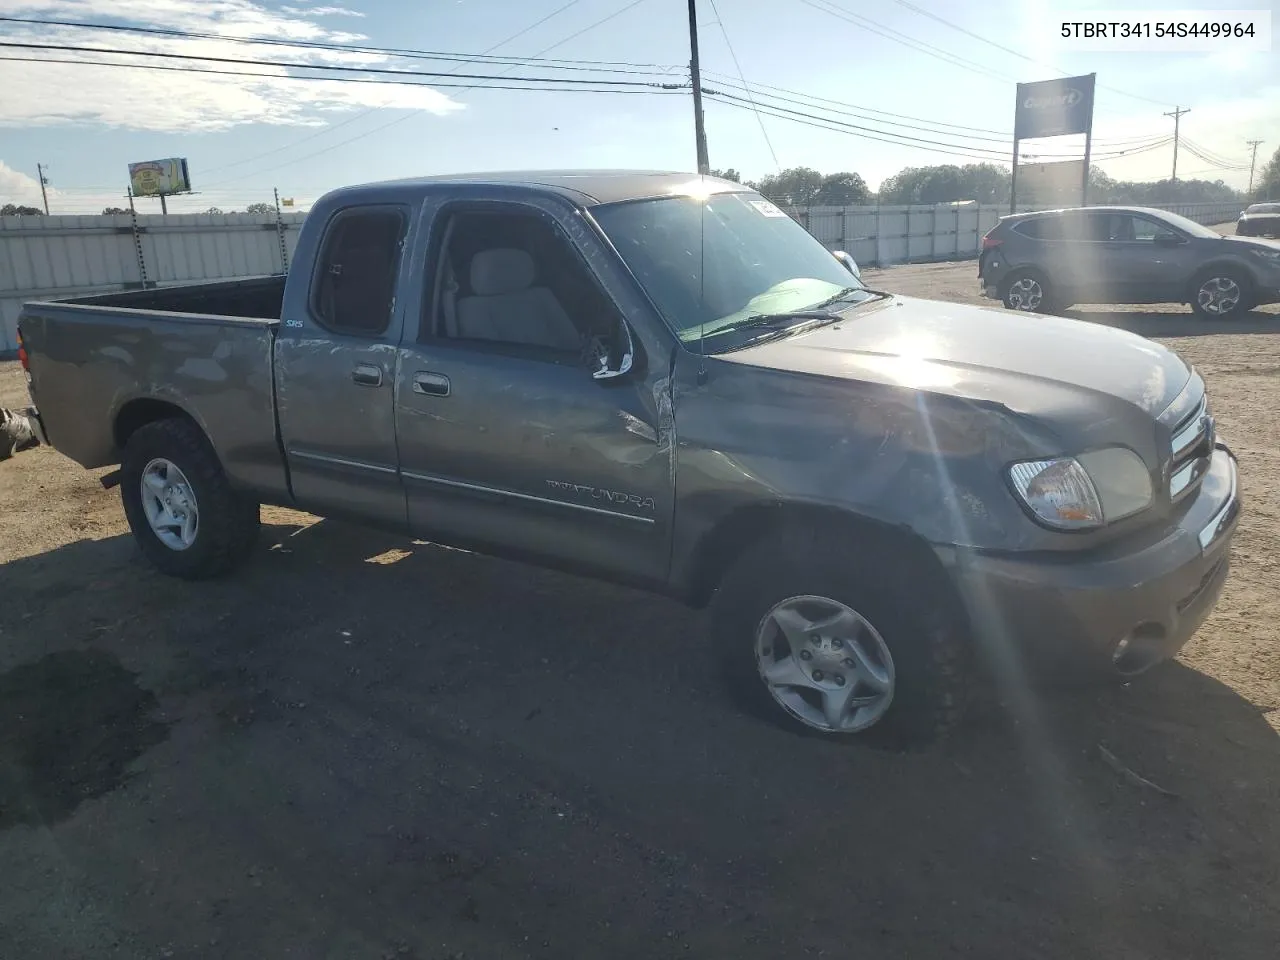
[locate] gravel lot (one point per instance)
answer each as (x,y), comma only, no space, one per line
(363,747)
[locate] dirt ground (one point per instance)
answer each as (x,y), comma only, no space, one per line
(362,747)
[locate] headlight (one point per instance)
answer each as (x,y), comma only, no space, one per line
(1078,493)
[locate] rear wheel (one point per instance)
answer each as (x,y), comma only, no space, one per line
(183,512)
(1028,291)
(1220,293)
(838,642)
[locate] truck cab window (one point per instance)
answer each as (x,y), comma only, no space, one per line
(355,284)
(512,280)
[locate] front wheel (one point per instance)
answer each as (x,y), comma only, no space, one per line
(184,514)
(1221,293)
(815,635)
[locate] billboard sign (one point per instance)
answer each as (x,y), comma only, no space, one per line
(1052,108)
(159,178)
(1051,184)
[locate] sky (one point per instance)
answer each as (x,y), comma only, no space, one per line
(881,66)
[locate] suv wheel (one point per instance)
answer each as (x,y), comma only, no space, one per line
(1027,291)
(1220,293)
(837,642)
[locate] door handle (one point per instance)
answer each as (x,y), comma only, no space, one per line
(367,375)
(431,384)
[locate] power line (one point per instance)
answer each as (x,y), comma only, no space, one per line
(816,102)
(393,122)
(331,68)
(841,13)
(900,139)
(925,126)
(364,113)
(1017,53)
(610,66)
(737,66)
(836,126)
(727,79)
(1213,156)
(1197,152)
(535,84)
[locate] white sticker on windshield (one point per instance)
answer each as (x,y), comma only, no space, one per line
(767,208)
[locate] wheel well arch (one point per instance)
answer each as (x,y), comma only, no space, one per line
(1234,267)
(141,411)
(1249,281)
(748,525)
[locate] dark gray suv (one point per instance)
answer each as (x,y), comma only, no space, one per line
(1045,262)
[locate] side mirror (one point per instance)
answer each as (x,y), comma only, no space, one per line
(848,262)
(604,366)
(1168,240)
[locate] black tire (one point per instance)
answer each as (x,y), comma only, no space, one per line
(1244,283)
(228,522)
(1014,297)
(924,634)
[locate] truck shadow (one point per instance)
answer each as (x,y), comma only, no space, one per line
(427,711)
(1153,324)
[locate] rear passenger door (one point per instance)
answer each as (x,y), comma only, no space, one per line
(1053,245)
(335,370)
(506,439)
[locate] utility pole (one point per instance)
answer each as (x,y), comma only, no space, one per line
(44,182)
(1252,162)
(695,73)
(1177,115)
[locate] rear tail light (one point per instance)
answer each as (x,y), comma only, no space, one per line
(990,243)
(22,354)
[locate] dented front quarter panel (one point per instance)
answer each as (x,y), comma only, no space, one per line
(874,445)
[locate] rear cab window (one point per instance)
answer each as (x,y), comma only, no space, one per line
(354,286)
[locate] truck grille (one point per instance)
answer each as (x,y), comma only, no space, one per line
(1191,449)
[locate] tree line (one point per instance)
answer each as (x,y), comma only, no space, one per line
(944,183)
(987,183)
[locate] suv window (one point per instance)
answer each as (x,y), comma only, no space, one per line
(355,284)
(1126,228)
(511,281)
(1041,228)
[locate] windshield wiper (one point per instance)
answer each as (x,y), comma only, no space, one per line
(779,320)
(836,298)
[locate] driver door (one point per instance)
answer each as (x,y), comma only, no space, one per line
(506,439)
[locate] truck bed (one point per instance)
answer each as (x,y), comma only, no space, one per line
(102,364)
(254,298)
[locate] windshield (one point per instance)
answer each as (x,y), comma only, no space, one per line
(1188,226)
(712,265)
(1264,208)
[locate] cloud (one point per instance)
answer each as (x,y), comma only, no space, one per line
(17,187)
(321,12)
(54,94)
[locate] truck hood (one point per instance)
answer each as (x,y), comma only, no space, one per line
(1026,362)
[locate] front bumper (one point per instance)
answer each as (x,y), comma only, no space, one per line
(1119,613)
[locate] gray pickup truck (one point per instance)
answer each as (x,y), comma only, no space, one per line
(664,381)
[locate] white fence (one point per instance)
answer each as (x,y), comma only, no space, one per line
(884,235)
(53,257)
(44,258)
